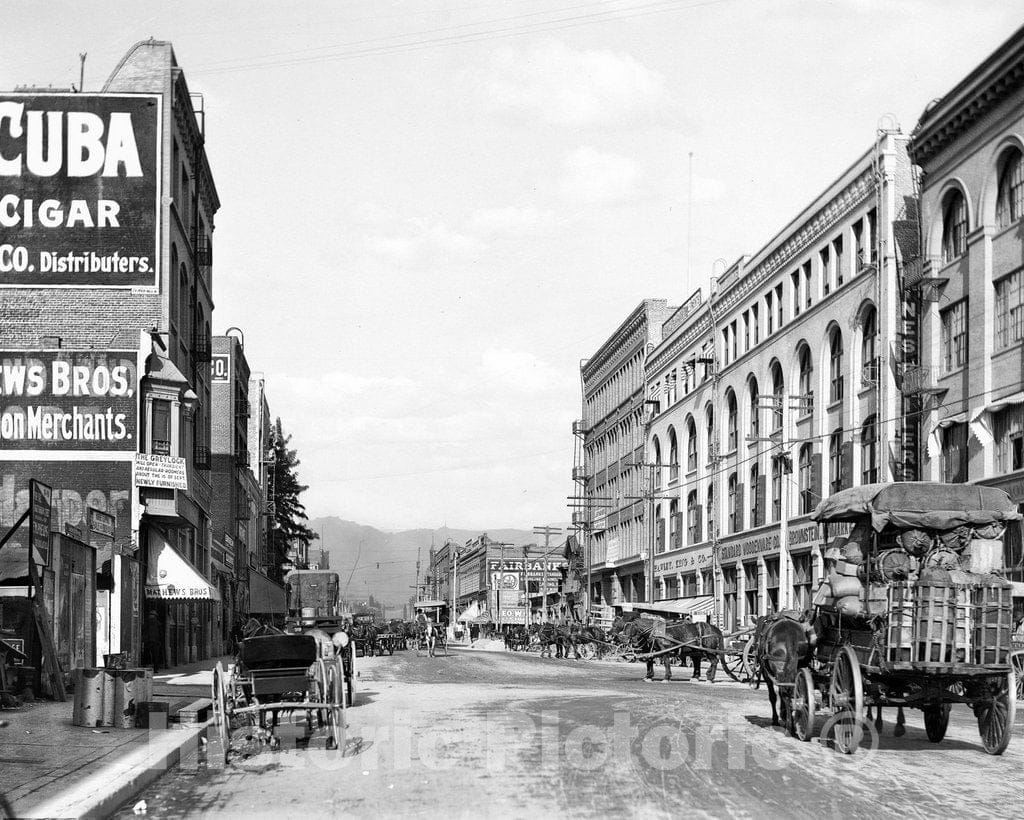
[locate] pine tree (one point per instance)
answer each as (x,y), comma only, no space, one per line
(288,529)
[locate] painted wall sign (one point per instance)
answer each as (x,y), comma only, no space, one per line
(69,400)
(220,368)
(40,520)
(80,190)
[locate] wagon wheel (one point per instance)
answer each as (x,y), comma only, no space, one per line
(846,693)
(735,667)
(749,662)
(802,706)
(587,651)
(350,682)
(1017,661)
(218,696)
(320,692)
(336,711)
(936,721)
(995,717)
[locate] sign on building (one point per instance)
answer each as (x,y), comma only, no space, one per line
(168,472)
(80,190)
(69,399)
(40,521)
(220,368)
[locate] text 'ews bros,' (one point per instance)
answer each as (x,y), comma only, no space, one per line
(79,190)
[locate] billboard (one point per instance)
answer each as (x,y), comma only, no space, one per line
(80,190)
(69,400)
(76,486)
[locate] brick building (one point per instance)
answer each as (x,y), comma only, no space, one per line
(112,269)
(970,274)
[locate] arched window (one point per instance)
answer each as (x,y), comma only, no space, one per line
(656,452)
(172,290)
(692,519)
(835,461)
(659,530)
(835,366)
(806,386)
(711,512)
(709,426)
(673,455)
(673,525)
(755,415)
(869,451)
(732,422)
(807,494)
(777,489)
(733,522)
(691,446)
(778,396)
(756,497)
(868,357)
(954,226)
(1010,196)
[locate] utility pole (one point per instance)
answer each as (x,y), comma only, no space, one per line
(547,532)
(418,551)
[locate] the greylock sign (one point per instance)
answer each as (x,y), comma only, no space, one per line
(79,190)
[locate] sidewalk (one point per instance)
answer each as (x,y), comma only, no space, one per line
(49,768)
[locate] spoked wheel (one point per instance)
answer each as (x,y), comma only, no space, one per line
(336,712)
(803,706)
(936,721)
(1017,661)
(320,692)
(995,717)
(749,664)
(219,698)
(588,651)
(846,693)
(734,666)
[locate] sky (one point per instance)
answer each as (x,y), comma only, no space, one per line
(431,212)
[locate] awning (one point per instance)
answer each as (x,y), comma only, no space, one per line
(697,606)
(483,618)
(429,604)
(981,419)
(934,444)
(265,597)
(470,613)
(172,577)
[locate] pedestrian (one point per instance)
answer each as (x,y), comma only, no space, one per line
(153,642)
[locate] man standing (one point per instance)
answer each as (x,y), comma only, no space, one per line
(153,642)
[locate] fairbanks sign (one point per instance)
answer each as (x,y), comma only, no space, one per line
(69,400)
(79,190)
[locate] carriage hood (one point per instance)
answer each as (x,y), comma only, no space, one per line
(923,504)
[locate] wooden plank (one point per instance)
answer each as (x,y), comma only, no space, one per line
(51,664)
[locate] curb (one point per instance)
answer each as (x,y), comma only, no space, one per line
(102,793)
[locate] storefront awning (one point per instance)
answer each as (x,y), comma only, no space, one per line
(697,606)
(470,613)
(981,419)
(265,597)
(172,577)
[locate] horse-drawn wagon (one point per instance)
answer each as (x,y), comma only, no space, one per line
(308,667)
(432,626)
(914,612)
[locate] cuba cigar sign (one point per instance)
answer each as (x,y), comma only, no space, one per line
(79,190)
(69,400)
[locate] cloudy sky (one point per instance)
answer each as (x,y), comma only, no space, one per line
(432,211)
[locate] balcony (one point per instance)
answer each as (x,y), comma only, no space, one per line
(242,512)
(201,350)
(919,379)
(204,250)
(579,518)
(579,428)
(579,473)
(202,457)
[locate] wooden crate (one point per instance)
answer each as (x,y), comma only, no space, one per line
(941,624)
(900,629)
(992,624)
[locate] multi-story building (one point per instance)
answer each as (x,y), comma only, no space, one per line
(610,474)
(781,389)
(970,147)
(260,454)
(111,237)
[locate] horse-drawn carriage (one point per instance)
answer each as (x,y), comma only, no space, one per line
(431,626)
(308,667)
(913,613)
(364,633)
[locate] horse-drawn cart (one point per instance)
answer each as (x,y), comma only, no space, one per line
(913,613)
(431,626)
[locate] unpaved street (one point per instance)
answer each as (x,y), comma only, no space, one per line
(513,735)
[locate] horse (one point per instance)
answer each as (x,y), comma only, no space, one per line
(782,645)
(516,638)
(550,635)
(682,638)
(430,634)
(589,634)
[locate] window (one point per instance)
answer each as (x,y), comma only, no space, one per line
(954,454)
(802,581)
(869,451)
(712,531)
(755,325)
(778,305)
(1010,198)
(733,523)
(826,271)
(778,397)
(869,361)
(160,433)
(732,428)
(689,587)
(808,282)
(835,367)
(656,451)
(1010,309)
(860,250)
(755,420)
(673,455)
(746,330)
(954,227)
(709,425)
(776,489)
(872,234)
(1009,435)
(835,462)
(954,336)
(691,446)
(806,376)
(674,535)
(837,250)
(750,589)
(692,519)
(733,337)
(806,477)
(771,583)
(725,345)
(769,314)
(795,284)
(659,530)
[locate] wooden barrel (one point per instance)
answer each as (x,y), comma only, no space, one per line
(131,687)
(87,708)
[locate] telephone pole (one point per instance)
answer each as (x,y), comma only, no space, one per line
(547,532)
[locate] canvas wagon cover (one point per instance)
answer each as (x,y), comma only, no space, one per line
(924,504)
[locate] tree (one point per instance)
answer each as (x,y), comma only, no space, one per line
(287,528)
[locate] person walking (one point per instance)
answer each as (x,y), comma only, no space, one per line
(153,642)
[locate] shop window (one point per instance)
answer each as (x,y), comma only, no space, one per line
(954,336)
(1010,310)
(707,578)
(752,606)
(1009,436)
(671,587)
(730,591)
(954,454)
(954,227)
(771,584)
(1010,197)
(802,581)
(689,586)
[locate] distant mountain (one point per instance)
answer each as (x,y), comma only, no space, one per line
(383,564)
